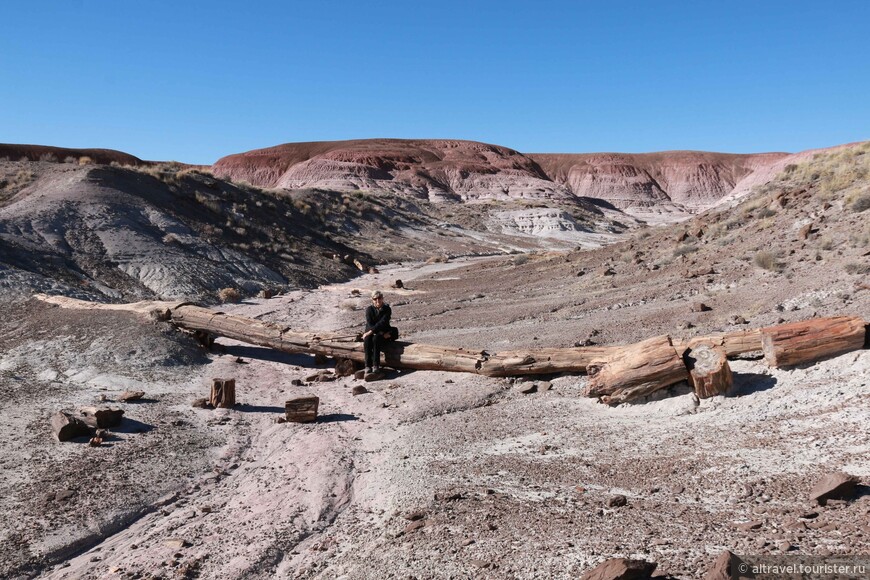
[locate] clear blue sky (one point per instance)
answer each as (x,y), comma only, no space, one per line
(196,80)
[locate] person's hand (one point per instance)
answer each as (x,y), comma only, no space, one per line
(367,333)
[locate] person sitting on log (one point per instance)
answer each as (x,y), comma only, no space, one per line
(378,331)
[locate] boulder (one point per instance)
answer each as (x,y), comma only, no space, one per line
(834,486)
(621,569)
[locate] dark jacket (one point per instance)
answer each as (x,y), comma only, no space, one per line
(378,321)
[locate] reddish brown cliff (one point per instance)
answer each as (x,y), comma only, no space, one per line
(692,179)
(434,168)
(670,181)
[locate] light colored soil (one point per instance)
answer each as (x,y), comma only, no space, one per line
(509,485)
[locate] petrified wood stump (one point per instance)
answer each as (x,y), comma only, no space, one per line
(223,393)
(302,409)
(807,341)
(709,373)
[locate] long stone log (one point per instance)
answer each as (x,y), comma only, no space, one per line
(397,354)
(807,341)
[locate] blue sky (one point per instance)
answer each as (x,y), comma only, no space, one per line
(194,81)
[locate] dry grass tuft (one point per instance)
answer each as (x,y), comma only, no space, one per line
(768,261)
(229,295)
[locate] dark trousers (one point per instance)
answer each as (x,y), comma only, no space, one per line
(373,344)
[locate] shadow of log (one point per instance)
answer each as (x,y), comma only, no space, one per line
(336,418)
(270,355)
(245,408)
(749,383)
(132,426)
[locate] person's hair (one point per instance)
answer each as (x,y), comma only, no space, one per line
(377,294)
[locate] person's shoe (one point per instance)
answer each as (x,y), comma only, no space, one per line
(376,369)
(368,370)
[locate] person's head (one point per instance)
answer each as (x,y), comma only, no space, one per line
(377,298)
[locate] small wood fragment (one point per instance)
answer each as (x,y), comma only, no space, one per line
(101,417)
(223,393)
(67,426)
(302,409)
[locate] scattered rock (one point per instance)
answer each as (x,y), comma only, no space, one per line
(201,403)
(751,525)
(280,419)
(415,515)
(700,307)
(128,396)
(398,284)
(321,377)
(414,526)
(344,367)
(101,417)
(737,319)
(297,382)
(66,426)
(621,569)
(467,542)
(834,486)
(528,390)
(805,231)
(617,501)
(359,390)
(606,271)
(544,386)
(176,543)
(721,568)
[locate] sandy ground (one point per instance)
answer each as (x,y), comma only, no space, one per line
(430,475)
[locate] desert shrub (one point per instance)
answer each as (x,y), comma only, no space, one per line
(69,159)
(854,268)
(85,160)
(229,295)
(48,157)
(765,212)
(520,259)
(768,261)
(171,239)
(348,305)
(826,243)
(684,249)
(862,203)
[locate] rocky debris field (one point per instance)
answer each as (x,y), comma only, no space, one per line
(428,474)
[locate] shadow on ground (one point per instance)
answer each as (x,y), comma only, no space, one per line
(749,383)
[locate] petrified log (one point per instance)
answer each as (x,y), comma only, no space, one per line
(635,371)
(67,426)
(709,373)
(811,340)
(302,409)
(223,393)
(395,354)
(734,343)
(101,417)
